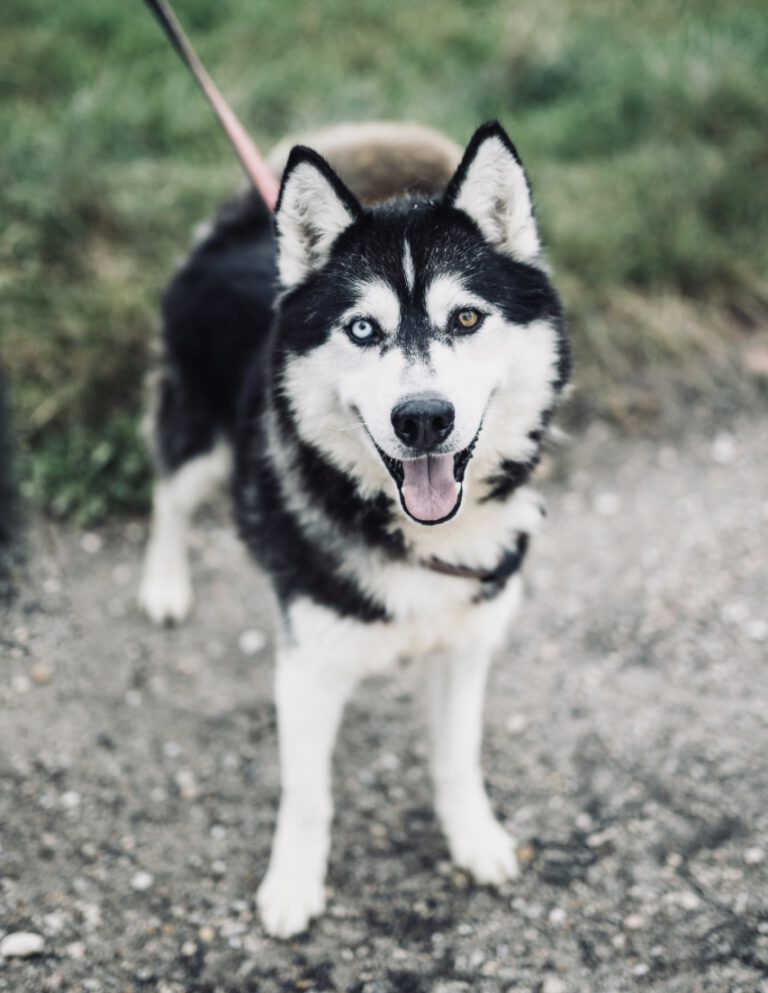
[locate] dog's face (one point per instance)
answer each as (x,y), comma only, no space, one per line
(421,333)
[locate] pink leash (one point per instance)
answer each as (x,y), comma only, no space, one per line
(256,168)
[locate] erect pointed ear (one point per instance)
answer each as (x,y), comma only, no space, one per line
(313,208)
(490,186)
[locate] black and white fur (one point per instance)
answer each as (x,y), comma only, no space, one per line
(261,362)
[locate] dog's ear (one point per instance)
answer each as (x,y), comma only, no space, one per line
(313,209)
(490,186)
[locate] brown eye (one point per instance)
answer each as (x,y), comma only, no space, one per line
(468,319)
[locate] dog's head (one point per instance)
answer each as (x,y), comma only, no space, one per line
(415,335)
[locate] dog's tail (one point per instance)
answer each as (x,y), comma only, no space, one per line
(380,160)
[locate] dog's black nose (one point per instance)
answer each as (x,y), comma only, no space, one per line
(423,421)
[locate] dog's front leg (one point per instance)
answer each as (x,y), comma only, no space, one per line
(311,690)
(476,840)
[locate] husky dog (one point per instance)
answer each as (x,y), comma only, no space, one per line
(384,376)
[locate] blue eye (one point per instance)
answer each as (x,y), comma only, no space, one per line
(362,331)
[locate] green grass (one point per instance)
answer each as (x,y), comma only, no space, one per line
(644,127)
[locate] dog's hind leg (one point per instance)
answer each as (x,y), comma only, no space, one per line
(165,592)
(476,840)
(315,677)
(192,459)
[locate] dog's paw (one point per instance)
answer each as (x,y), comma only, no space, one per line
(288,901)
(165,594)
(485,850)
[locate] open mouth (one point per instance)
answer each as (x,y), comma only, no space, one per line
(430,486)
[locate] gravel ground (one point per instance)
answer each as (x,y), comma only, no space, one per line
(626,749)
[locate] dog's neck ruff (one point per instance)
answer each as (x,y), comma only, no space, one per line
(509,563)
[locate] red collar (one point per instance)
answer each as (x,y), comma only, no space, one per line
(510,562)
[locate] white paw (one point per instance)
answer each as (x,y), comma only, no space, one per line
(484,849)
(165,593)
(288,901)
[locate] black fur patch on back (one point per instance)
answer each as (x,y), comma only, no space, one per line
(216,317)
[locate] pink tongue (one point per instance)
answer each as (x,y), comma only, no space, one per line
(429,490)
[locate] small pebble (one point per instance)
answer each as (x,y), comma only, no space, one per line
(754,856)
(21,684)
(188,949)
(606,504)
(187,784)
(723,448)
(525,853)
(686,899)
(142,880)
(251,642)
(41,673)
(757,630)
(734,612)
(75,950)
(91,543)
(517,723)
(634,922)
(48,841)
(91,915)
(218,869)
(54,923)
(553,984)
(70,800)
(21,945)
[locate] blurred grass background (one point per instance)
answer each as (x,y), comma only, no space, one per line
(643,126)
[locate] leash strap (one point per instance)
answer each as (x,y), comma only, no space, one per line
(256,168)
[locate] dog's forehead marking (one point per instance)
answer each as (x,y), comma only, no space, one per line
(378,300)
(408,269)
